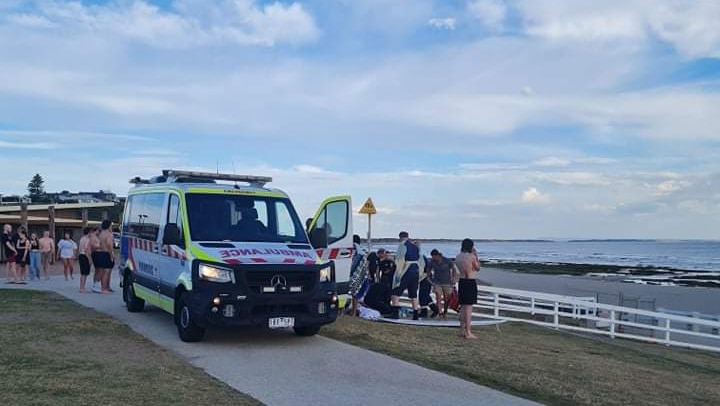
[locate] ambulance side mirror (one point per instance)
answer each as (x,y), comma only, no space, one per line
(171,235)
(318,238)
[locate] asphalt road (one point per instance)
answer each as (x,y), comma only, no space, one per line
(279,368)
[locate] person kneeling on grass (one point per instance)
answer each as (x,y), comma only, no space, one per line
(468,263)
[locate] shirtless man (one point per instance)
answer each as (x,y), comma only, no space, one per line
(94,242)
(468,263)
(47,251)
(104,256)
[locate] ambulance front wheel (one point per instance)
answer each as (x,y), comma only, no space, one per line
(134,304)
(307,331)
(187,329)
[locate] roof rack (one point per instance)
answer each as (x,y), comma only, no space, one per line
(174,175)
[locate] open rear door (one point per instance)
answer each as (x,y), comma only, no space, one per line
(331,234)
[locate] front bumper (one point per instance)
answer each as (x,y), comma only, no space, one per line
(244,304)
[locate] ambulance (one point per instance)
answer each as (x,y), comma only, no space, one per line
(224,250)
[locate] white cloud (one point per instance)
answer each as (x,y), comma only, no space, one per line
(552,161)
(442,23)
(490,13)
(670,186)
(533,195)
(689,26)
(191,22)
(27,145)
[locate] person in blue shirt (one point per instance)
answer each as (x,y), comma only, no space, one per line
(407,275)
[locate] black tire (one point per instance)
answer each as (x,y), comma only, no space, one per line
(188,331)
(133,303)
(306,331)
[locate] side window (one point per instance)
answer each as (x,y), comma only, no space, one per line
(285,224)
(174,215)
(332,222)
(126,214)
(336,221)
(134,216)
(145,215)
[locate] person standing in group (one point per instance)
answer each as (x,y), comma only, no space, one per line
(35,257)
(468,263)
(104,257)
(22,249)
(443,275)
(66,252)
(84,252)
(407,275)
(95,246)
(47,252)
(10,254)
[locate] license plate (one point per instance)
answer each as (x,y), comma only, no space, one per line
(281,322)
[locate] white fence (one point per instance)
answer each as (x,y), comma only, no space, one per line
(585,314)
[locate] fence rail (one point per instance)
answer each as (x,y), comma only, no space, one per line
(585,314)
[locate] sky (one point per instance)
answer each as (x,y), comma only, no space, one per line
(473,118)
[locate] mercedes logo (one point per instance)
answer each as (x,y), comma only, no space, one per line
(278,282)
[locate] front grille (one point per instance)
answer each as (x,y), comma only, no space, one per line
(256,280)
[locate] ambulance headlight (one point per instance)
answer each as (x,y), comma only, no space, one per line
(215,274)
(326,274)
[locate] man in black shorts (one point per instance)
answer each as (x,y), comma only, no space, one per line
(104,257)
(85,250)
(407,275)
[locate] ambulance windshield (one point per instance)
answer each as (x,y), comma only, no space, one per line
(225,217)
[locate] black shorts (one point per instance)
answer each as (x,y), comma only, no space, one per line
(102,260)
(84,264)
(409,281)
(467,291)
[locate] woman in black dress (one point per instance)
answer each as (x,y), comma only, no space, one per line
(23,253)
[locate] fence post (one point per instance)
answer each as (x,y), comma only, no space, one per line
(556,316)
(532,305)
(612,323)
(667,331)
(496,304)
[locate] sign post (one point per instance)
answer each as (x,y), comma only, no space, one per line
(369,209)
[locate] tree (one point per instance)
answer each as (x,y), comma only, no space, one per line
(36,188)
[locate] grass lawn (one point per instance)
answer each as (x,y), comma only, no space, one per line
(548,366)
(56,352)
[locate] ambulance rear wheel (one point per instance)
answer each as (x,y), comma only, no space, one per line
(187,329)
(134,304)
(307,331)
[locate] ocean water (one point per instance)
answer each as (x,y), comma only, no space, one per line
(692,255)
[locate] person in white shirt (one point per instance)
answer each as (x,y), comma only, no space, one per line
(66,252)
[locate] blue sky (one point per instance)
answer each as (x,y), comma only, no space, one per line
(482,118)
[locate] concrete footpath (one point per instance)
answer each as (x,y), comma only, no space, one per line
(279,368)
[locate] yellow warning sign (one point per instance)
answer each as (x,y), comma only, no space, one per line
(368,207)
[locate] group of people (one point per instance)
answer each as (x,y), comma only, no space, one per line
(26,256)
(411,272)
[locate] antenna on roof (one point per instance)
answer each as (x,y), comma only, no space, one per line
(217,166)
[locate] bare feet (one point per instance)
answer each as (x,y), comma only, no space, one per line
(82,291)
(107,292)
(471,336)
